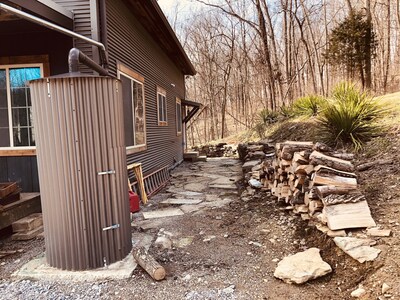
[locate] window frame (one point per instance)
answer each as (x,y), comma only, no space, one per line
(12,149)
(133,76)
(164,108)
(178,119)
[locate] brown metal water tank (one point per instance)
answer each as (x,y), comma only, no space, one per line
(82,170)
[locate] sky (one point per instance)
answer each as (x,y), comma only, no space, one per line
(180,7)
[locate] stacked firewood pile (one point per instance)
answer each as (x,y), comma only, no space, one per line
(317,181)
(218,150)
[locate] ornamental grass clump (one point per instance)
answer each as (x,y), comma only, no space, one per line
(309,105)
(350,116)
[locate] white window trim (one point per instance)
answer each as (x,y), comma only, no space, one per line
(7,67)
(140,147)
(162,92)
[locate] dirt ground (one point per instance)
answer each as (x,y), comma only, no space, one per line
(230,250)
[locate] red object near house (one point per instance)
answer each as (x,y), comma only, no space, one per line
(134,202)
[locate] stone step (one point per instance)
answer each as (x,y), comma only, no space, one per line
(191,156)
(202,158)
(28,223)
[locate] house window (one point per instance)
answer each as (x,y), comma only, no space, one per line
(134,110)
(162,107)
(16,122)
(178,116)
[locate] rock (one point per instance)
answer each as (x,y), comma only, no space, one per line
(247,166)
(257,154)
(163,242)
(358,249)
(255,183)
(208,238)
(378,232)
(302,267)
(335,233)
(385,288)
(358,292)
(229,290)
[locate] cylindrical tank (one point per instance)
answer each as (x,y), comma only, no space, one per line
(82,170)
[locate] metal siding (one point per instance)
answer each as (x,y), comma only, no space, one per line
(80,133)
(82,25)
(130,44)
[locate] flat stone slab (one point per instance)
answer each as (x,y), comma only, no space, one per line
(378,232)
(162,213)
(223,186)
(195,187)
(181,201)
(302,267)
(358,249)
(189,193)
(349,215)
(248,165)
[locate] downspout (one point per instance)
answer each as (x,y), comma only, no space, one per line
(29,17)
(76,56)
(103,22)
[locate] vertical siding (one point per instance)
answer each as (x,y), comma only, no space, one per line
(129,43)
(82,25)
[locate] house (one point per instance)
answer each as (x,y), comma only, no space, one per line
(143,52)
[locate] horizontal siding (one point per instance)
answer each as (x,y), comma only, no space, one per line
(129,43)
(82,25)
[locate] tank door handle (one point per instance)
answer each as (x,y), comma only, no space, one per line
(111,227)
(106,172)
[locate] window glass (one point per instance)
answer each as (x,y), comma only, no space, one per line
(128,112)
(139,113)
(178,117)
(4,123)
(162,109)
(134,116)
(22,123)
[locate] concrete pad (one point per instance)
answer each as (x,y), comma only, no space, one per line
(170,212)
(38,269)
(181,201)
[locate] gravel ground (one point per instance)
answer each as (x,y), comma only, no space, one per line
(226,252)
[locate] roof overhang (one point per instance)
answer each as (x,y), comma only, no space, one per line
(153,19)
(45,9)
(195,108)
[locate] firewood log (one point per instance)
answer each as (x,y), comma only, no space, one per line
(366,166)
(300,159)
(325,190)
(327,170)
(339,181)
(317,158)
(148,263)
(304,169)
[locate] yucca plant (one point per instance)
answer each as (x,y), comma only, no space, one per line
(267,116)
(287,111)
(350,116)
(309,105)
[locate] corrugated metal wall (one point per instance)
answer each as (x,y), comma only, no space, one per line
(79,134)
(129,43)
(82,25)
